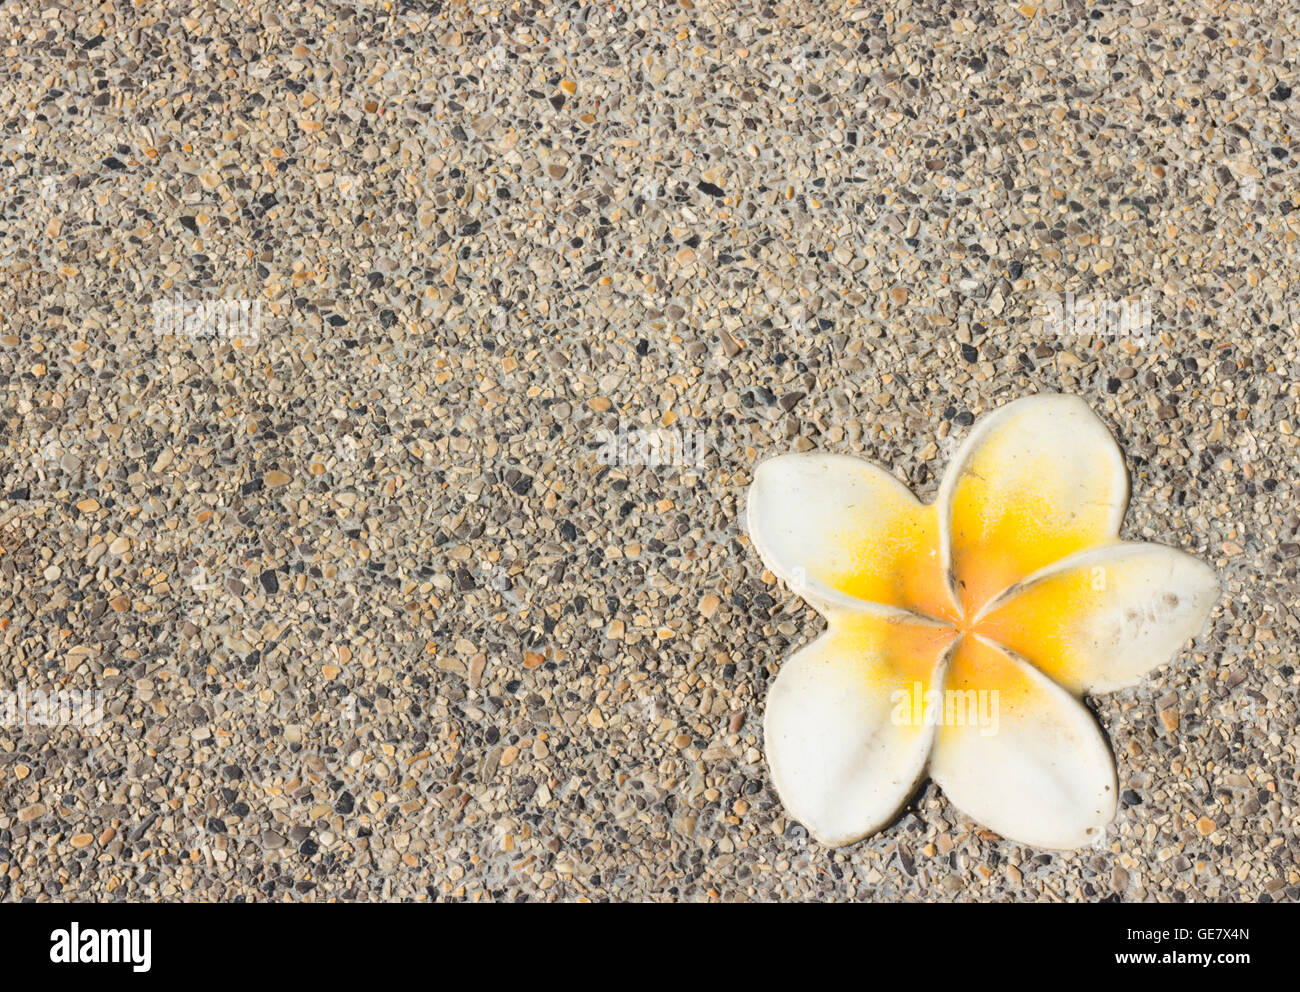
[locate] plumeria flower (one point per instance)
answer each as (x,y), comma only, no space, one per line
(1012,587)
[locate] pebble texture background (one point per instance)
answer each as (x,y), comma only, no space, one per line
(371,619)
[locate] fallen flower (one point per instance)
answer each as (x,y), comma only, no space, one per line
(1012,583)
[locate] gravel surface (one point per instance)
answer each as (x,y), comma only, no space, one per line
(371,615)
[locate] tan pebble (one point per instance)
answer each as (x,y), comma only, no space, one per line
(454,665)
(32,812)
(330,671)
(88,505)
(120,604)
(120,546)
(476,666)
(709,604)
(600,404)
(81,840)
(1205,825)
(276,478)
(532,659)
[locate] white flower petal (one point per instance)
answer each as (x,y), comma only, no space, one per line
(845,745)
(842,532)
(1039,771)
(1036,480)
(1103,618)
